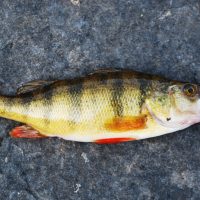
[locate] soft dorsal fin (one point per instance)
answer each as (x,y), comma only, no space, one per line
(33,85)
(105,70)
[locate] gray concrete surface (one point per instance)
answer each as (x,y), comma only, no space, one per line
(49,39)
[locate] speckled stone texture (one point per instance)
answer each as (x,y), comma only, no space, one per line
(56,39)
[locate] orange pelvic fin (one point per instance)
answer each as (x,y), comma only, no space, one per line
(25,132)
(128,123)
(113,140)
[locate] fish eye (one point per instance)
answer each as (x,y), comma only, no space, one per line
(190,90)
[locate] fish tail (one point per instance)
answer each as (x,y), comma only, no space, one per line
(10,108)
(5,105)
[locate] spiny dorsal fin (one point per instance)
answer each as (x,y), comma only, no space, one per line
(33,85)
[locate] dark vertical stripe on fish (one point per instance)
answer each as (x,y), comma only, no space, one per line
(144,89)
(75,91)
(48,93)
(91,86)
(117,94)
(25,101)
(103,78)
(8,103)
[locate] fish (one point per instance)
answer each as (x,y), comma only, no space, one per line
(105,107)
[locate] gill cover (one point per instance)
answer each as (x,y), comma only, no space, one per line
(177,106)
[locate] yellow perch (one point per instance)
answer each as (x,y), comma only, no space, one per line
(104,107)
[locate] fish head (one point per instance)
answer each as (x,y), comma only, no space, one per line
(175,105)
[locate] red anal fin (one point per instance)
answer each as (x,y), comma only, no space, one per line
(25,132)
(113,140)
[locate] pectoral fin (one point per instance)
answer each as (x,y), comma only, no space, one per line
(25,132)
(127,123)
